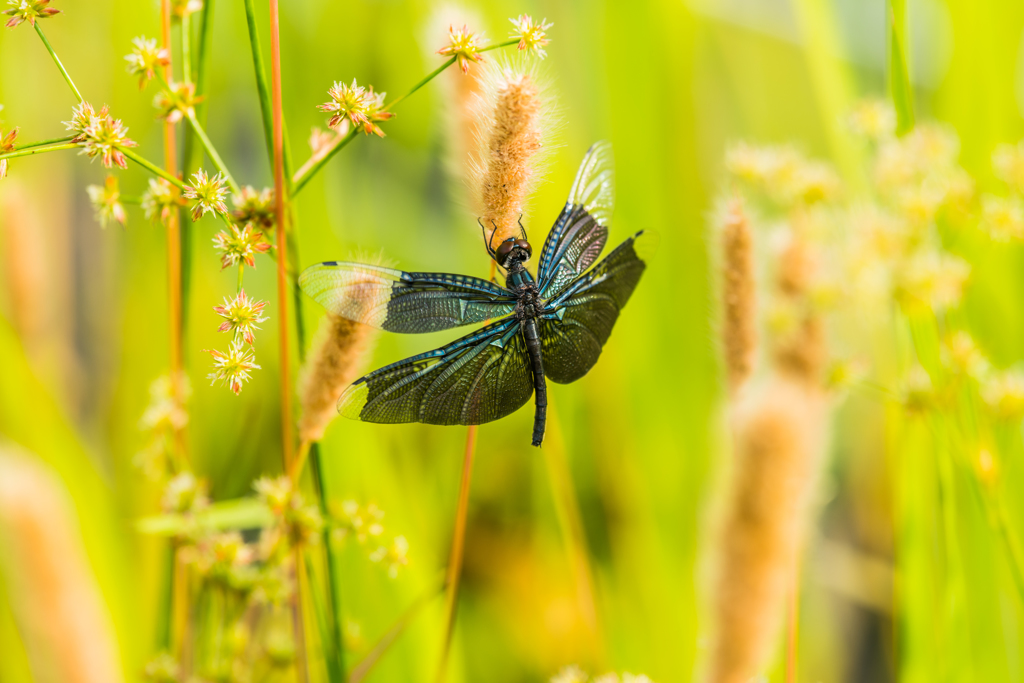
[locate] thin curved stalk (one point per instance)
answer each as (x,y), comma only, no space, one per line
(303,177)
(35,150)
(41,143)
(56,60)
(151,167)
(458,548)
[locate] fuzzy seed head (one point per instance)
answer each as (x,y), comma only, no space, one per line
(241,316)
(176,103)
(240,246)
(779,434)
(234,367)
(530,34)
(208,194)
(106,202)
(739,316)
(464,45)
(28,10)
(339,355)
(362,107)
(6,146)
(254,207)
(144,59)
(161,200)
(511,139)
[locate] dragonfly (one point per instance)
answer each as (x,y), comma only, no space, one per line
(552,327)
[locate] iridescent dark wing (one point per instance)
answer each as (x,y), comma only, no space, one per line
(573,333)
(581,230)
(479,378)
(398,301)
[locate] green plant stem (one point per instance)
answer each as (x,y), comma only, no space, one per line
(36,150)
(261,77)
(457,553)
(211,151)
(152,168)
(241,275)
(41,143)
(362,669)
(56,60)
(899,75)
(300,180)
(186,47)
(336,651)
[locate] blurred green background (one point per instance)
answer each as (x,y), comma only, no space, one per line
(670,83)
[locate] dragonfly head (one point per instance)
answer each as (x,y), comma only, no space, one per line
(513,249)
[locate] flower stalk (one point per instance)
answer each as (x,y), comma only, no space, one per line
(56,60)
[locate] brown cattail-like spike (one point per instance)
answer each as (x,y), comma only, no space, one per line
(739,319)
(337,358)
(510,131)
(800,353)
(56,601)
(778,442)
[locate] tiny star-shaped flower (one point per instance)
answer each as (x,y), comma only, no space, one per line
(161,199)
(531,35)
(361,106)
(176,104)
(103,136)
(207,193)
(6,145)
(144,59)
(233,368)
(254,207)
(28,10)
(241,316)
(464,45)
(240,245)
(106,201)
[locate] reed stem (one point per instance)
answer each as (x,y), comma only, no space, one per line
(458,547)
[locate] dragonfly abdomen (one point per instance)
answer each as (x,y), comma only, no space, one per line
(540,386)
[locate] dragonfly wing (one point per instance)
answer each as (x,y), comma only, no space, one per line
(479,378)
(581,230)
(580,321)
(397,301)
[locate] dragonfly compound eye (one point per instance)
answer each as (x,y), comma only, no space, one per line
(525,246)
(503,251)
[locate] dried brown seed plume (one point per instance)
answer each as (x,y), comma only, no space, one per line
(800,352)
(56,602)
(510,131)
(739,321)
(778,439)
(337,358)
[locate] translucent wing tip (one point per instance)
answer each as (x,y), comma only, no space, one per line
(353,400)
(594,187)
(645,244)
